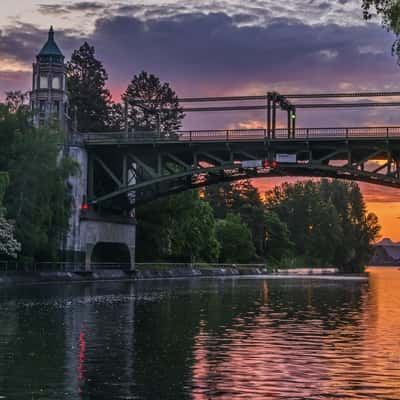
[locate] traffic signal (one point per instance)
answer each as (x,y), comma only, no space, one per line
(272,164)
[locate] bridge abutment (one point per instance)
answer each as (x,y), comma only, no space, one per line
(88,229)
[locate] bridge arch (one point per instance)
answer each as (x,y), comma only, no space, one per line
(109,254)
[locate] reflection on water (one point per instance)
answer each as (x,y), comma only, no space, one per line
(203,339)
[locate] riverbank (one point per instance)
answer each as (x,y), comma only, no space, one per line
(24,278)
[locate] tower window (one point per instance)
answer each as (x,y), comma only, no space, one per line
(42,106)
(44,82)
(56,107)
(56,83)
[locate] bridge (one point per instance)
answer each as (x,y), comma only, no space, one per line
(121,170)
(151,166)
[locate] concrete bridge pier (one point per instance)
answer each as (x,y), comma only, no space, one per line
(93,238)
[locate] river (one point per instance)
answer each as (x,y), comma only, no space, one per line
(241,338)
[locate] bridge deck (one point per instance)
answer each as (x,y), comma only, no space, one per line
(236,135)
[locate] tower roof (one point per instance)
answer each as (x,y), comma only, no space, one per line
(50,48)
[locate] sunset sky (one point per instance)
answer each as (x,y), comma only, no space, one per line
(230,47)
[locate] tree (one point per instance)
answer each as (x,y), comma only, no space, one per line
(240,198)
(179,228)
(193,228)
(37,198)
(327,222)
(115,119)
(235,240)
(152,106)
(86,80)
(4,181)
(389,11)
(9,246)
(16,99)
(277,238)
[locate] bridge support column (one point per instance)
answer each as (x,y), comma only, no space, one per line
(88,257)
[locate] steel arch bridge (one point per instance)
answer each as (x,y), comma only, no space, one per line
(126,169)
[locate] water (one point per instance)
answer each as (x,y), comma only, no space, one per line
(203,339)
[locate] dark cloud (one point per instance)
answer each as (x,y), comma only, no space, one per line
(52,9)
(24,41)
(82,6)
(209,54)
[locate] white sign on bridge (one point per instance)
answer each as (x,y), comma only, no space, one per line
(286,158)
(252,163)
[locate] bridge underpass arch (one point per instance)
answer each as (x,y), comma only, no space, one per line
(109,255)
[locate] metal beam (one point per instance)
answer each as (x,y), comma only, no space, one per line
(150,171)
(330,155)
(159,179)
(298,105)
(178,161)
(212,157)
(108,170)
(290,96)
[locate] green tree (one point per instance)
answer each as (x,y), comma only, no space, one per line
(152,105)
(37,198)
(4,181)
(240,198)
(277,238)
(235,240)
(193,228)
(389,11)
(16,99)
(86,81)
(327,222)
(9,246)
(180,228)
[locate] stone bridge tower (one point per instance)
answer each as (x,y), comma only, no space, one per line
(93,237)
(49,98)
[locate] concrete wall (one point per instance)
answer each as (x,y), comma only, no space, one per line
(78,185)
(97,231)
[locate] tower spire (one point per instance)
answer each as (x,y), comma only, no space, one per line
(50,48)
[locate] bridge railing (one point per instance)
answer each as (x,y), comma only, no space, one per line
(243,135)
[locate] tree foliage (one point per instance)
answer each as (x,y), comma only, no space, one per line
(9,246)
(153,106)
(177,228)
(327,221)
(235,240)
(243,199)
(88,95)
(389,11)
(278,245)
(37,198)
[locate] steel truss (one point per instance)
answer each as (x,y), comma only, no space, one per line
(124,174)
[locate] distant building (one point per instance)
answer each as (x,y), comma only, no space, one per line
(49,97)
